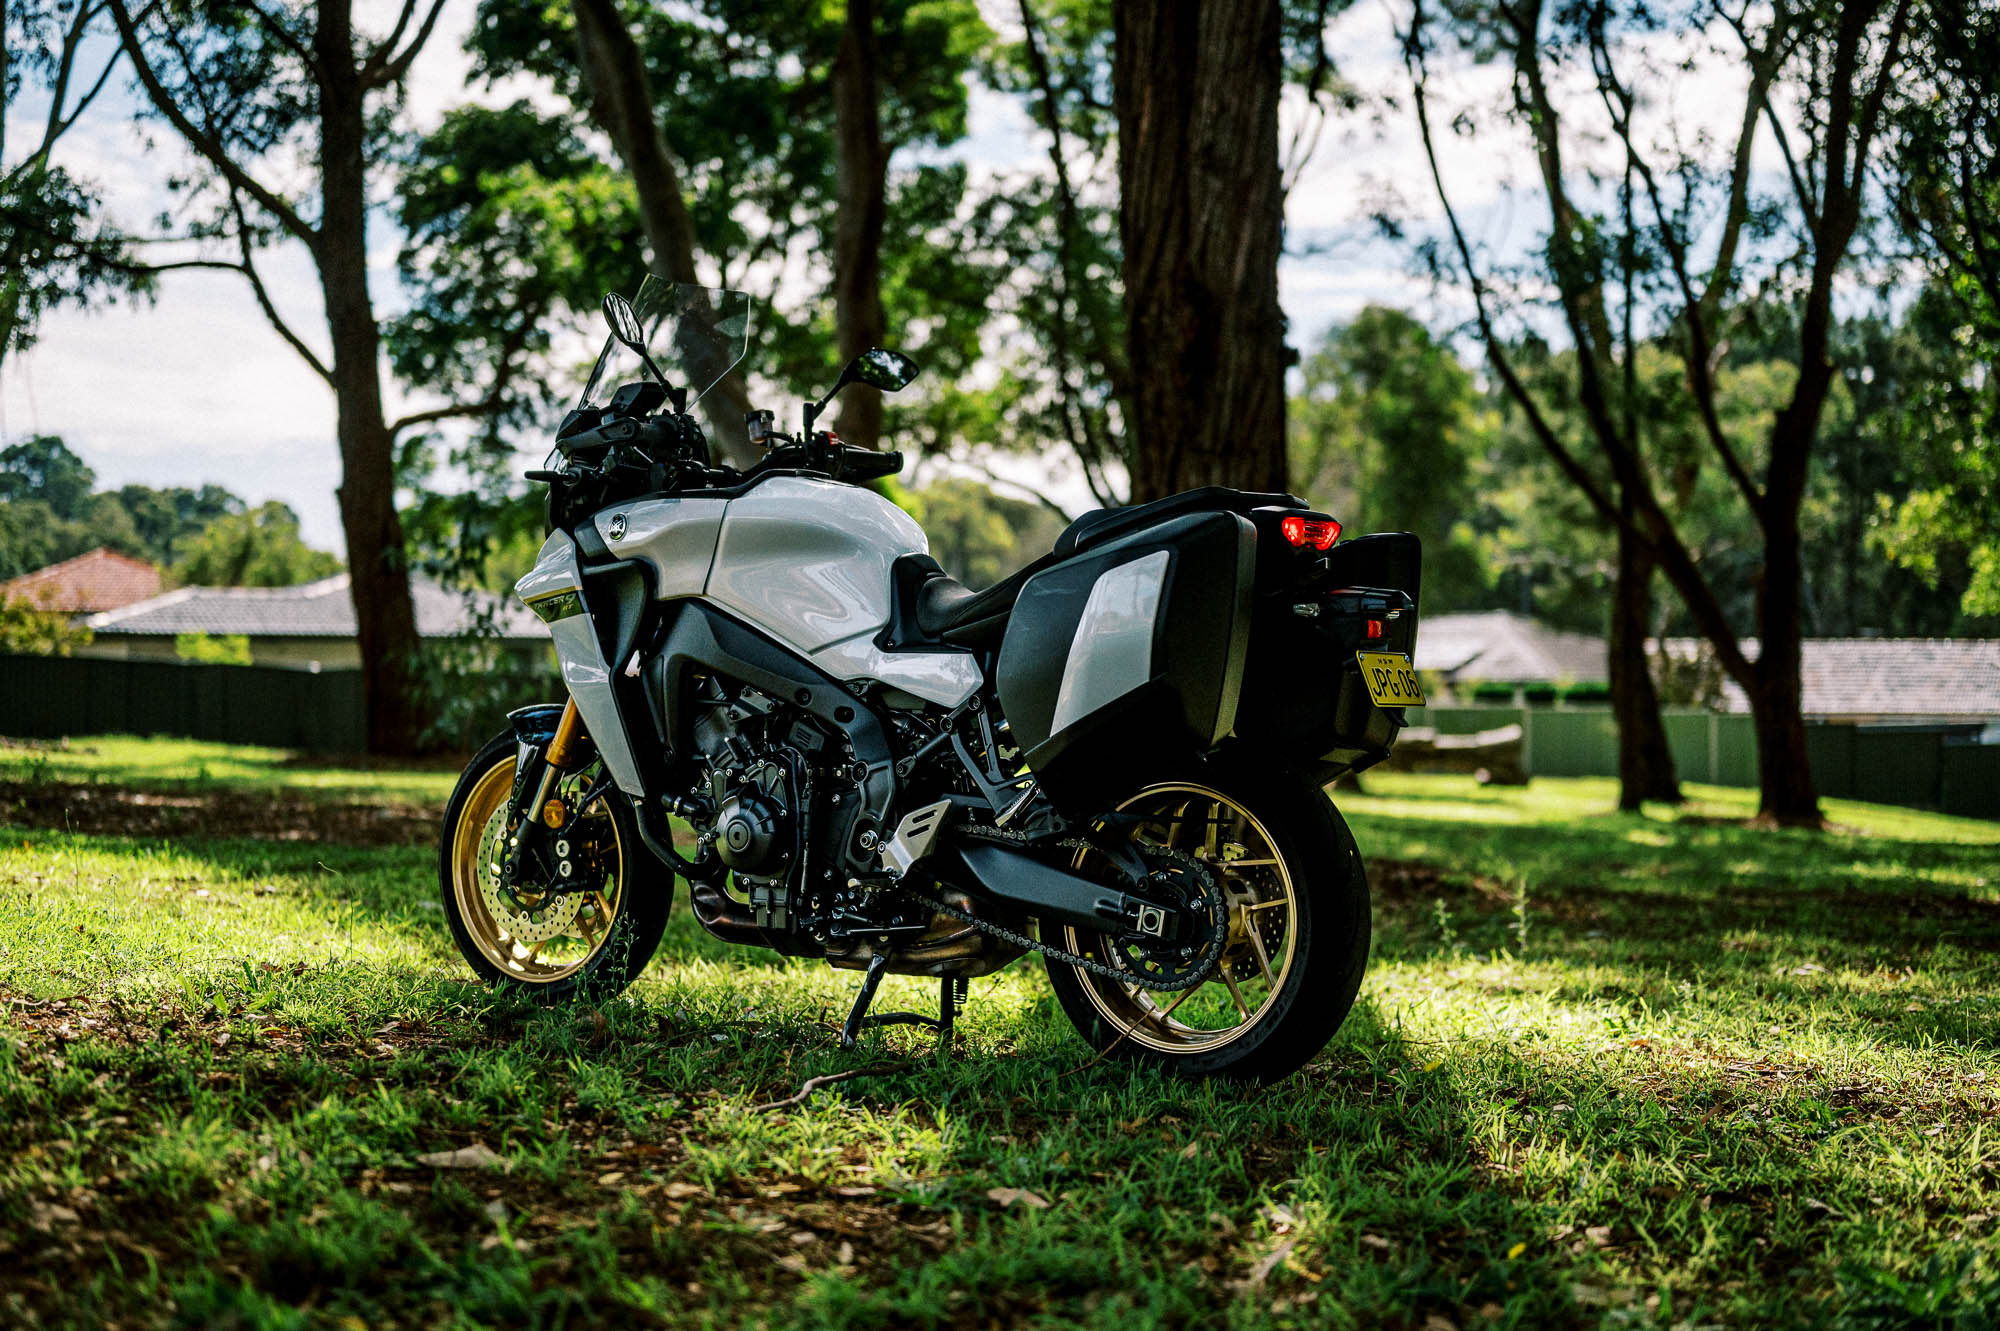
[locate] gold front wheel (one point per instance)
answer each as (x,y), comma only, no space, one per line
(582,909)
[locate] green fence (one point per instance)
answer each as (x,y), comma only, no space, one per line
(1921,767)
(53,696)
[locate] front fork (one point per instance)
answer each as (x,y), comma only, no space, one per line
(542,762)
(543,755)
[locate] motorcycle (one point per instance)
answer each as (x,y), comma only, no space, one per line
(1114,759)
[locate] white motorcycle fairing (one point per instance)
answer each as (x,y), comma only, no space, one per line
(804,561)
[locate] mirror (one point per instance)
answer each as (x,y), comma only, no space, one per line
(624,322)
(878,367)
(881,368)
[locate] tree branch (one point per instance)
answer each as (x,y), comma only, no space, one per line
(1618,104)
(264,302)
(288,40)
(1656,535)
(204,141)
(504,372)
(377,72)
(1413,60)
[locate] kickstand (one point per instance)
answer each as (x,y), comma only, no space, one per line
(951,996)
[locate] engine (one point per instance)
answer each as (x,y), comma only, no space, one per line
(759,779)
(778,801)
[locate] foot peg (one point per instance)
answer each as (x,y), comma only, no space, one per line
(952,993)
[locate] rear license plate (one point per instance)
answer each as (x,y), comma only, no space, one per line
(1390,679)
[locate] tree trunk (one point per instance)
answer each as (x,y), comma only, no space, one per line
(1787,794)
(379,575)
(1645,761)
(621,102)
(1201,218)
(863,164)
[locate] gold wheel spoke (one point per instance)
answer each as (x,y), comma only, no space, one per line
(1236,994)
(1250,864)
(1265,905)
(1263,961)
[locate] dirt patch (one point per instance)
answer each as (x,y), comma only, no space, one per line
(1415,881)
(100,810)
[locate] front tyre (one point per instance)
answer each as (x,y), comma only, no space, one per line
(588,940)
(1297,943)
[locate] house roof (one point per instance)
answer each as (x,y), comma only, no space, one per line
(1506,648)
(322,609)
(1885,677)
(100,579)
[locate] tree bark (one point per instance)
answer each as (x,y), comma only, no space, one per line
(1201,218)
(1787,794)
(621,102)
(379,575)
(1645,761)
(863,167)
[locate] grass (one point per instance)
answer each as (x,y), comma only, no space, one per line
(1605,1071)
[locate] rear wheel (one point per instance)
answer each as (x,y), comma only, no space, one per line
(587,936)
(1297,942)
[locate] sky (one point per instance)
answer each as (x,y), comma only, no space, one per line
(195,386)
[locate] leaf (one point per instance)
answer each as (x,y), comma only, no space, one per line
(1193,1150)
(1270,1260)
(476,1156)
(1009,1197)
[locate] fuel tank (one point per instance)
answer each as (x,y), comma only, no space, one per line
(808,562)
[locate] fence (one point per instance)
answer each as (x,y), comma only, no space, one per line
(1920,767)
(53,696)
(321,712)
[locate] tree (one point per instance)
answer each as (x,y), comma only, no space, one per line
(862,179)
(1690,221)
(1946,181)
(1384,437)
(29,630)
(54,250)
(260,548)
(251,88)
(1201,221)
(162,519)
(43,468)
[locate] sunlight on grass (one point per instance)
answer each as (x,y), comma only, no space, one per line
(1605,1070)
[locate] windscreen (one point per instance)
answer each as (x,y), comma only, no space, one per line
(696,335)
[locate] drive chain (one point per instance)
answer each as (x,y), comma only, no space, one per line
(1211,948)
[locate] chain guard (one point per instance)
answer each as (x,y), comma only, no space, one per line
(1167,970)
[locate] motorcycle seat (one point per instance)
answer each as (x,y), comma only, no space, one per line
(932,606)
(946,610)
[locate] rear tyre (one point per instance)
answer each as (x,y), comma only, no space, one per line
(555,947)
(1298,930)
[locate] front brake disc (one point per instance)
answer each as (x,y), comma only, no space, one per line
(523,913)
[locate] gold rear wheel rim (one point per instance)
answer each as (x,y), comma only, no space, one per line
(515,943)
(1262,942)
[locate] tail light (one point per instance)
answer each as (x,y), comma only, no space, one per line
(1319,533)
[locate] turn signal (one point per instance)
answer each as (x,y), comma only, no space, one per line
(1319,533)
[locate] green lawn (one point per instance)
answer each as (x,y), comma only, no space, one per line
(1605,1070)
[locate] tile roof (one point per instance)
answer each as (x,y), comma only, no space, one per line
(322,609)
(100,579)
(1885,677)
(1501,647)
